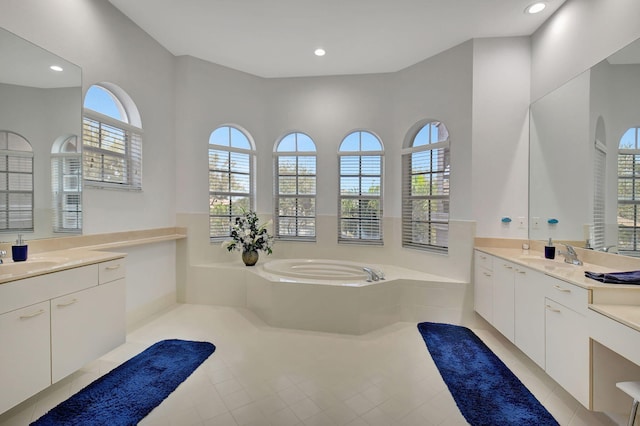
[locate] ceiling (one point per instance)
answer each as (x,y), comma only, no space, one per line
(276,38)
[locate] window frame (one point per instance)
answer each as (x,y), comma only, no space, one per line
(5,156)
(360,153)
(634,202)
(231,214)
(131,144)
(62,156)
(297,196)
(435,226)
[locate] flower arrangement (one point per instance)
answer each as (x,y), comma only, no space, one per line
(247,236)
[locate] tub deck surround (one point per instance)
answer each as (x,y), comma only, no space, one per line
(348,306)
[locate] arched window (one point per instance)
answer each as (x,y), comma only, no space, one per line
(425,188)
(629,192)
(360,201)
(16,183)
(295,187)
(111,139)
(231,182)
(66,185)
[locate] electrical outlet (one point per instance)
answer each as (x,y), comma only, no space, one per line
(522,222)
(535,222)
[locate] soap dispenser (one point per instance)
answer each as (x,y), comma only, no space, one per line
(550,250)
(19,251)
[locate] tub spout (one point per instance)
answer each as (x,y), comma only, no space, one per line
(373,275)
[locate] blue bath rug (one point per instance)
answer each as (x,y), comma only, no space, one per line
(485,390)
(129,392)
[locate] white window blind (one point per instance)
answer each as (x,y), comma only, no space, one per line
(112,152)
(16,183)
(66,182)
(425,190)
(629,193)
(295,187)
(600,162)
(231,165)
(360,199)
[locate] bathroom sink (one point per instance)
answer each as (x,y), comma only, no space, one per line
(19,268)
(540,261)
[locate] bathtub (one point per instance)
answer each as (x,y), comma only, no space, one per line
(330,295)
(318,271)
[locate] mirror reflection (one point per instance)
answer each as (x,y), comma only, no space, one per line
(40,103)
(585,158)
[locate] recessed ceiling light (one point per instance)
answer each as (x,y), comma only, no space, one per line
(535,8)
(56,68)
(319,52)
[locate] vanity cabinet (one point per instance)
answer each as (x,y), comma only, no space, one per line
(88,323)
(24,353)
(503,297)
(53,324)
(529,314)
(567,338)
(483,285)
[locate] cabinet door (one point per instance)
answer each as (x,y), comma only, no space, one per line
(25,367)
(483,293)
(85,325)
(567,350)
(529,313)
(503,297)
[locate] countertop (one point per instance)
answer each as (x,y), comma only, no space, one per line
(54,261)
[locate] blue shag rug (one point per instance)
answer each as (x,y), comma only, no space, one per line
(129,392)
(485,390)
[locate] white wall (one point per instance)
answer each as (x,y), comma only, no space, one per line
(109,47)
(501,75)
(579,35)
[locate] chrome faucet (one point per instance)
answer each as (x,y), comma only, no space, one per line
(373,275)
(3,253)
(607,249)
(570,256)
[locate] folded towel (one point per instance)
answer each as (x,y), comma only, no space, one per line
(630,277)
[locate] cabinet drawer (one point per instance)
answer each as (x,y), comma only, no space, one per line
(111,271)
(484,260)
(569,295)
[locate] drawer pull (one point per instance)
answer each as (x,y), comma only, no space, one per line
(552,309)
(35,314)
(508,267)
(69,303)
(521,271)
(562,290)
(486,274)
(113,267)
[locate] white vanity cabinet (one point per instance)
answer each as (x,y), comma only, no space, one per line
(567,338)
(529,313)
(504,273)
(53,324)
(483,285)
(88,323)
(24,353)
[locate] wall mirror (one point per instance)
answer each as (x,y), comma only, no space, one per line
(576,133)
(43,106)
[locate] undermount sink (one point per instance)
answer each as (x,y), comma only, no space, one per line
(18,268)
(534,260)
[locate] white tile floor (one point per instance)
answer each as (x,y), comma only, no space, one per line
(263,376)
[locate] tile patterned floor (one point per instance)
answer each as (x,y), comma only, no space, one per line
(266,376)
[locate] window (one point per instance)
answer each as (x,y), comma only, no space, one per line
(111,139)
(66,185)
(295,187)
(425,188)
(231,183)
(16,183)
(629,192)
(360,201)
(599,186)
